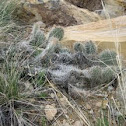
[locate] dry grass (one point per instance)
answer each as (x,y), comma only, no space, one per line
(31,107)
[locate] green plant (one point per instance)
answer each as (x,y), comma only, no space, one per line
(39,79)
(121,120)
(55,48)
(38,38)
(102,122)
(43,95)
(8,22)
(90,47)
(79,47)
(96,75)
(57,33)
(9,78)
(44,121)
(108,74)
(7,8)
(65,50)
(108,57)
(36,52)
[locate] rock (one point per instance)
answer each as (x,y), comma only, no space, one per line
(98,104)
(65,123)
(63,101)
(61,123)
(91,5)
(99,32)
(91,111)
(59,13)
(88,106)
(78,123)
(114,8)
(52,95)
(104,104)
(57,123)
(50,112)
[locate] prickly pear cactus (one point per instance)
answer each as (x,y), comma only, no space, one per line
(57,32)
(55,48)
(79,47)
(65,50)
(36,52)
(108,74)
(96,75)
(37,37)
(90,48)
(108,57)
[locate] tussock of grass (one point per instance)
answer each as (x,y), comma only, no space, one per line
(14,102)
(9,78)
(9,27)
(7,8)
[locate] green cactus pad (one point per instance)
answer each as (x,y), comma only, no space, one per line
(38,39)
(57,32)
(108,74)
(90,48)
(96,75)
(108,57)
(79,47)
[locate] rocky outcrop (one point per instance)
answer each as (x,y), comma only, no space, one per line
(114,8)
(107,8)
(107,33)
(61,13)
(91,5)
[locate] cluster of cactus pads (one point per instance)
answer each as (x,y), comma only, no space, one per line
(39,39)
(84,67)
